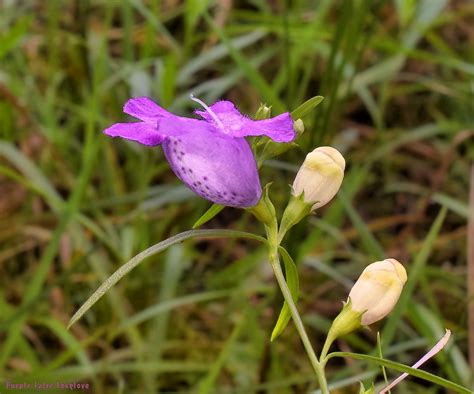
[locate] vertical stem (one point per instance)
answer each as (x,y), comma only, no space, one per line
(274,238)
(317,366)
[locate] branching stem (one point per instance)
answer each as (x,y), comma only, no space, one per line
(272,235)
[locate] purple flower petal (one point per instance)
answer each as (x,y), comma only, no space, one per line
(278,128)
(210,156)
(146,110)
(218,167)
(180,125)
(141,132)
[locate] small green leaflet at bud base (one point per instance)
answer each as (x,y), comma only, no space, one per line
(264,210)
(320,176)
(346,322)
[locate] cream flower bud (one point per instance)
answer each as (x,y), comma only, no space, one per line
(372,298)
(377,290)
(320,176)
(298,125)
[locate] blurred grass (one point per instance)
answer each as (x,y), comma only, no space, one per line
(397,77)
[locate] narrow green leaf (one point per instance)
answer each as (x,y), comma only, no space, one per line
(169,305)
(368,240)
(456,206)
(12,38)
(70,342)
(380,354)
(430,326)
(194,9)
(404,368)
(214,54)
(414,273)
(208,384)
(208,215)
(292,279)
(168,77)
(152,250)
(306,107)
(252,74)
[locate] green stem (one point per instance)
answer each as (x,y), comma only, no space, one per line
(326,347)
(266,213)
(317,366)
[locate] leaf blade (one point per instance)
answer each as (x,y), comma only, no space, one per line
(291,273)
(213,211)
(159,247)
(306,107)
(404,368)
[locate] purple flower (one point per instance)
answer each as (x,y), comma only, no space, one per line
(211,156)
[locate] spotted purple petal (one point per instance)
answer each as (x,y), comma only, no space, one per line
(210,156)
(218,167)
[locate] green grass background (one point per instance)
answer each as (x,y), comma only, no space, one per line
(397,77)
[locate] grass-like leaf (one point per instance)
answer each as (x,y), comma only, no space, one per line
(414,274)
(292,279)
(152,250)
(306,107)
(404,368)
(368,240)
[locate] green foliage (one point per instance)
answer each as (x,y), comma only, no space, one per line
(306,108)
(403,368)
(159,247)
(208,215)
(292,278)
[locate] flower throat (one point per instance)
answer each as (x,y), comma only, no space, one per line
(208,110)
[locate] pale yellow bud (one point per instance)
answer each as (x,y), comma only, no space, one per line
(320,176)
(377,290)
(298,125)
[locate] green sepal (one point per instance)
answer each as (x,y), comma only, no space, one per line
(292,279)
(296,210)
(208,215)
(264,210)
(346,322)
(273,149)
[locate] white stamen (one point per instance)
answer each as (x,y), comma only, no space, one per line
(208,110)
(436,348)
